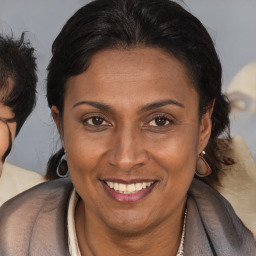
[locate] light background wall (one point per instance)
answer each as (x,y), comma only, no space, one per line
(231,23)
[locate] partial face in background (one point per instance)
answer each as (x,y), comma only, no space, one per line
(7,127)
(242,95)
(132,136)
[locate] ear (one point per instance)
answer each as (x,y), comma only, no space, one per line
(56,117)
(205,128)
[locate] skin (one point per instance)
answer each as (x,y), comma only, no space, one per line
(6,114)
(135,140)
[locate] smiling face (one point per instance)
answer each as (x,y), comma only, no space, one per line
(132,136)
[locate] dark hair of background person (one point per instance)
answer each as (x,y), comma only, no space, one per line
(18,63)
(125,24)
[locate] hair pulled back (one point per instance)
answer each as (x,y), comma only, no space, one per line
(124,24)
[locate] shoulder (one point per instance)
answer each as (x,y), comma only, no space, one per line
(15,180)
(214,224)
(13,170)
(37,198)
(38,214)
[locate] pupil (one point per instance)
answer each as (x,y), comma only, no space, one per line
(97,120)
(160,121)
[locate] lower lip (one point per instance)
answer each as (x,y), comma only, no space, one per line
(127,198)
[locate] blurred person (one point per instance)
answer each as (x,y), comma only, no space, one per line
(237,182)
(18,81)
(242,95)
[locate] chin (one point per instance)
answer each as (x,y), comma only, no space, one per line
(129,222)
(131,227)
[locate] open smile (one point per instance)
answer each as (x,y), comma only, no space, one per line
(128,192)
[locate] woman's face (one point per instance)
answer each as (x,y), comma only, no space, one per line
(5,114)
(132,136)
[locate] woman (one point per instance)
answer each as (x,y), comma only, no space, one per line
(17,99)
(135,91)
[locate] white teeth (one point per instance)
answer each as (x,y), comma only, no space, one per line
(122,187)
(110,184)
(116,186)
(138,186)
(128,188)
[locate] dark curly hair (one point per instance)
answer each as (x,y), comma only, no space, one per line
(164,24)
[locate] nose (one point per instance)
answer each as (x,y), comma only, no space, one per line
(127,150)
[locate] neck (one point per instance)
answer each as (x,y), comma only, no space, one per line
(161,239)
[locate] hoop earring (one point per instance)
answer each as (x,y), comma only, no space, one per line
(202,167)
(62,169)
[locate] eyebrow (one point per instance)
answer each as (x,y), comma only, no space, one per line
(8,120)
(159,104)
(145,108)
(95,104)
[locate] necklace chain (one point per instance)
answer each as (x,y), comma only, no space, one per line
(182,241)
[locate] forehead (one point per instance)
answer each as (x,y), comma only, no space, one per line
(143,63)
(145,72)
(5,88)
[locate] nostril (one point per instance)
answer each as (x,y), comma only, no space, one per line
(128,163)
(126,150)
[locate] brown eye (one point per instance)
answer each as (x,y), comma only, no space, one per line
(96,121)
(159,121)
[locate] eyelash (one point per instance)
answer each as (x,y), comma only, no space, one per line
(86,121)
(103,123)
(165,118)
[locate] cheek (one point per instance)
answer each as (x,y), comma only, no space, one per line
(85,154)
(178,149)
(176,156)
(4,138)
(13,127)
(83,149)
(83,161)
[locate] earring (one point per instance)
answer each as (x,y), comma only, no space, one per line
(202,168)
(62,169)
